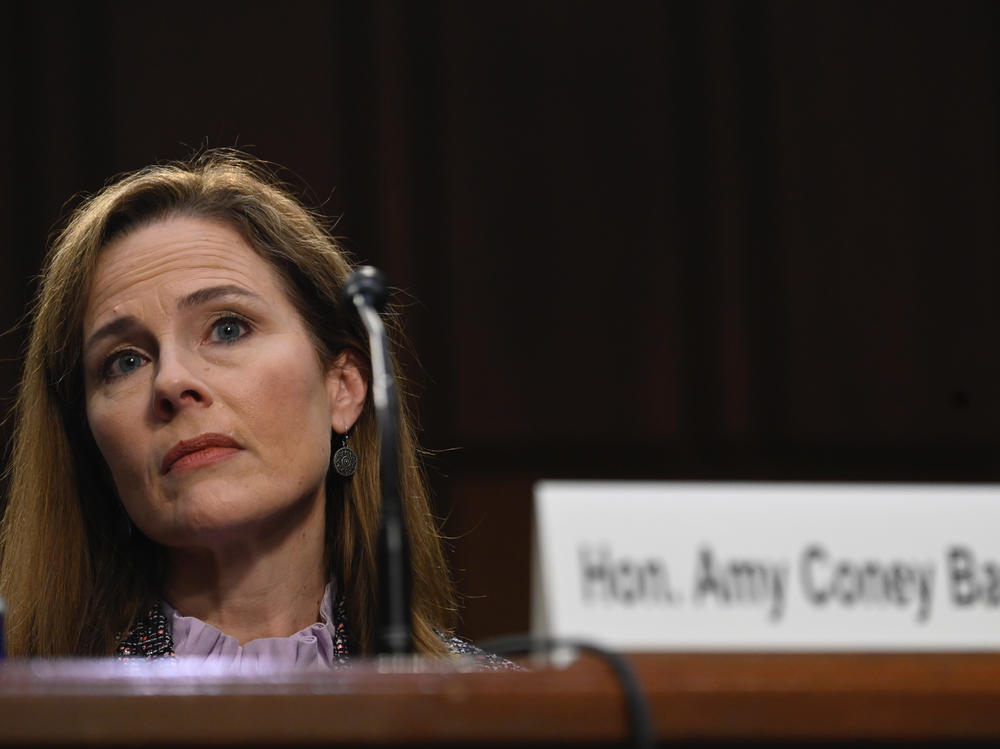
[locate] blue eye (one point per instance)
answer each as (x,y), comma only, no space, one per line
(229,330)
(123,363)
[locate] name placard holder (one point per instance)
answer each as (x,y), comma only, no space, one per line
(780,567)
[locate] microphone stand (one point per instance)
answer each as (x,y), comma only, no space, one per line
(366,289)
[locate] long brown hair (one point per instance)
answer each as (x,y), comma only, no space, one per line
(73,582)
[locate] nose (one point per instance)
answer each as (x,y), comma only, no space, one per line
(177,385)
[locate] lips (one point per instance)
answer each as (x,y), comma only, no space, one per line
(205,448)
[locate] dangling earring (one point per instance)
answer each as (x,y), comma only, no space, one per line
(345,460)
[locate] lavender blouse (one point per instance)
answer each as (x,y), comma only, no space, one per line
(312,646)
(162,632)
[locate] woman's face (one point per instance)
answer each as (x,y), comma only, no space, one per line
(204,390)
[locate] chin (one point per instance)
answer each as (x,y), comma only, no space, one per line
(205,518)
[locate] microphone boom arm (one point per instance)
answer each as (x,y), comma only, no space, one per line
(393,630)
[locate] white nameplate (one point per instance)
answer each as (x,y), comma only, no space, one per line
(729,566)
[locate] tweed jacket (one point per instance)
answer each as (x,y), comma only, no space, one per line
(150,638)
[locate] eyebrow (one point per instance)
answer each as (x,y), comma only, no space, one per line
(202,296)
(110,330)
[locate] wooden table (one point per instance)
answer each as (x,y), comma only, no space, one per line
(694,697)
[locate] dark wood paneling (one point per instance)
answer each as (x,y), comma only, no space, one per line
(651,240)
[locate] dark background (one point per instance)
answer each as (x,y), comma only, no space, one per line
(744,240)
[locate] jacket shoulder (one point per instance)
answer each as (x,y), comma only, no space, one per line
(484,660)
(148,638)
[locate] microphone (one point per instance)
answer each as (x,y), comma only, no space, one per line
(370,283)
(366,290)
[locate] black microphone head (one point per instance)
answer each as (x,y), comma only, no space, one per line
(370,283)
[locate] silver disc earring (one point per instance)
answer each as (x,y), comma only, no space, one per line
(345,460)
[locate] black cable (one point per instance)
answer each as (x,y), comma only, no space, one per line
(639,715)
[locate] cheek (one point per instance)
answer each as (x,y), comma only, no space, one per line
(287,405)
(120,442)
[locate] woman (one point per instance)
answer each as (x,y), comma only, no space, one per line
(190,373)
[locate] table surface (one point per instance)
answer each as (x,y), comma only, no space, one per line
(413,701)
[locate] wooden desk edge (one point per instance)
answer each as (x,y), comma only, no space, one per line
(692,696)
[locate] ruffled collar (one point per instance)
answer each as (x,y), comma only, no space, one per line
(318,645)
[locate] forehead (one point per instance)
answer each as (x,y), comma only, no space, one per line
(170,258)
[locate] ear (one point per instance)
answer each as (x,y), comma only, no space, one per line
(347,388)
